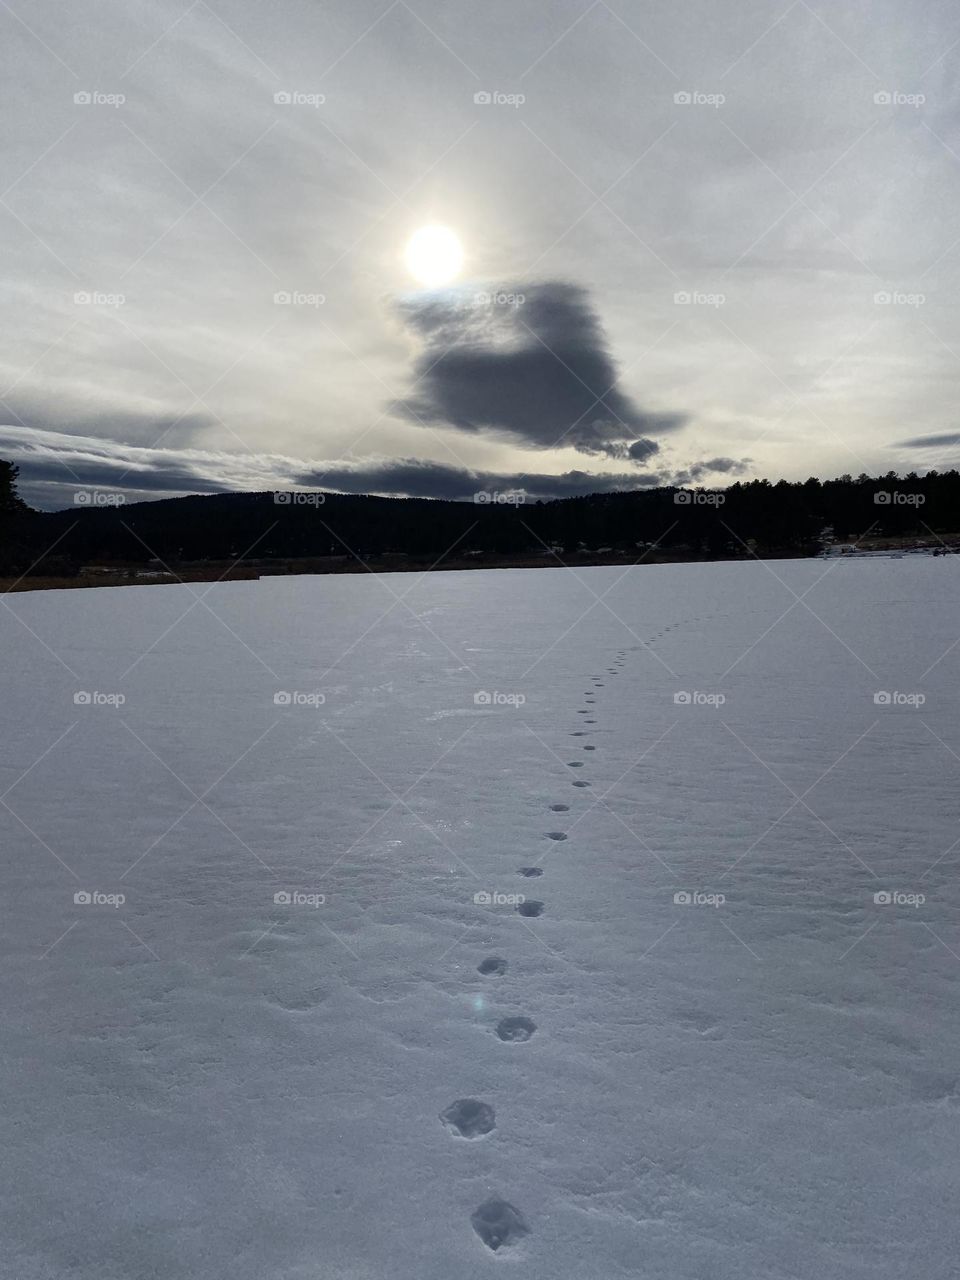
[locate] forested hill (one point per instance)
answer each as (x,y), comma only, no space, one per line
(757,516)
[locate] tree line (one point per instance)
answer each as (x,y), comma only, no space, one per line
(752,517)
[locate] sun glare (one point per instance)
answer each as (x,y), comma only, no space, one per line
(434,256)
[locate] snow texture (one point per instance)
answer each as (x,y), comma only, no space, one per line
(260,926)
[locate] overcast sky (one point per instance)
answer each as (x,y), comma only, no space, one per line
(760,280)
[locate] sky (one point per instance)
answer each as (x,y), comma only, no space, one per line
(702,241)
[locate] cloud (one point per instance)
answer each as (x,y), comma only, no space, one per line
(640,450)
(54,466)
(725,466)
(414,478)
(121,418)
(948,439)
(529,363)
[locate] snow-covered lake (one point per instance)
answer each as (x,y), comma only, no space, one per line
(206,1080)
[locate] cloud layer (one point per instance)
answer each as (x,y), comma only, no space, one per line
(946,439)
(54,466)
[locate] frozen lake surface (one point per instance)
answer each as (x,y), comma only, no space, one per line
(721,1039)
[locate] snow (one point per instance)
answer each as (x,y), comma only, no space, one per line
(381,1077)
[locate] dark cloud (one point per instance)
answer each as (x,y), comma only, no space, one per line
(54,465)
(640,450)
(410,477)
(530,363)
(49,486)
(160,478)
(725,466)
(132,424)
(949,439)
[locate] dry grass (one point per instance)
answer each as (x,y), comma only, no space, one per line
(123,579)
(220,572)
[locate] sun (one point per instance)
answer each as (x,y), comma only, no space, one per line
(434,256)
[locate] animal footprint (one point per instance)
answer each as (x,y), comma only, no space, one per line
(530,871)
(530,908)
(556,835)
(492,964)
(580,784)
(469,1118)
(575,764)
(498,1223)
(515,1030)
(589,748)
(560,808)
